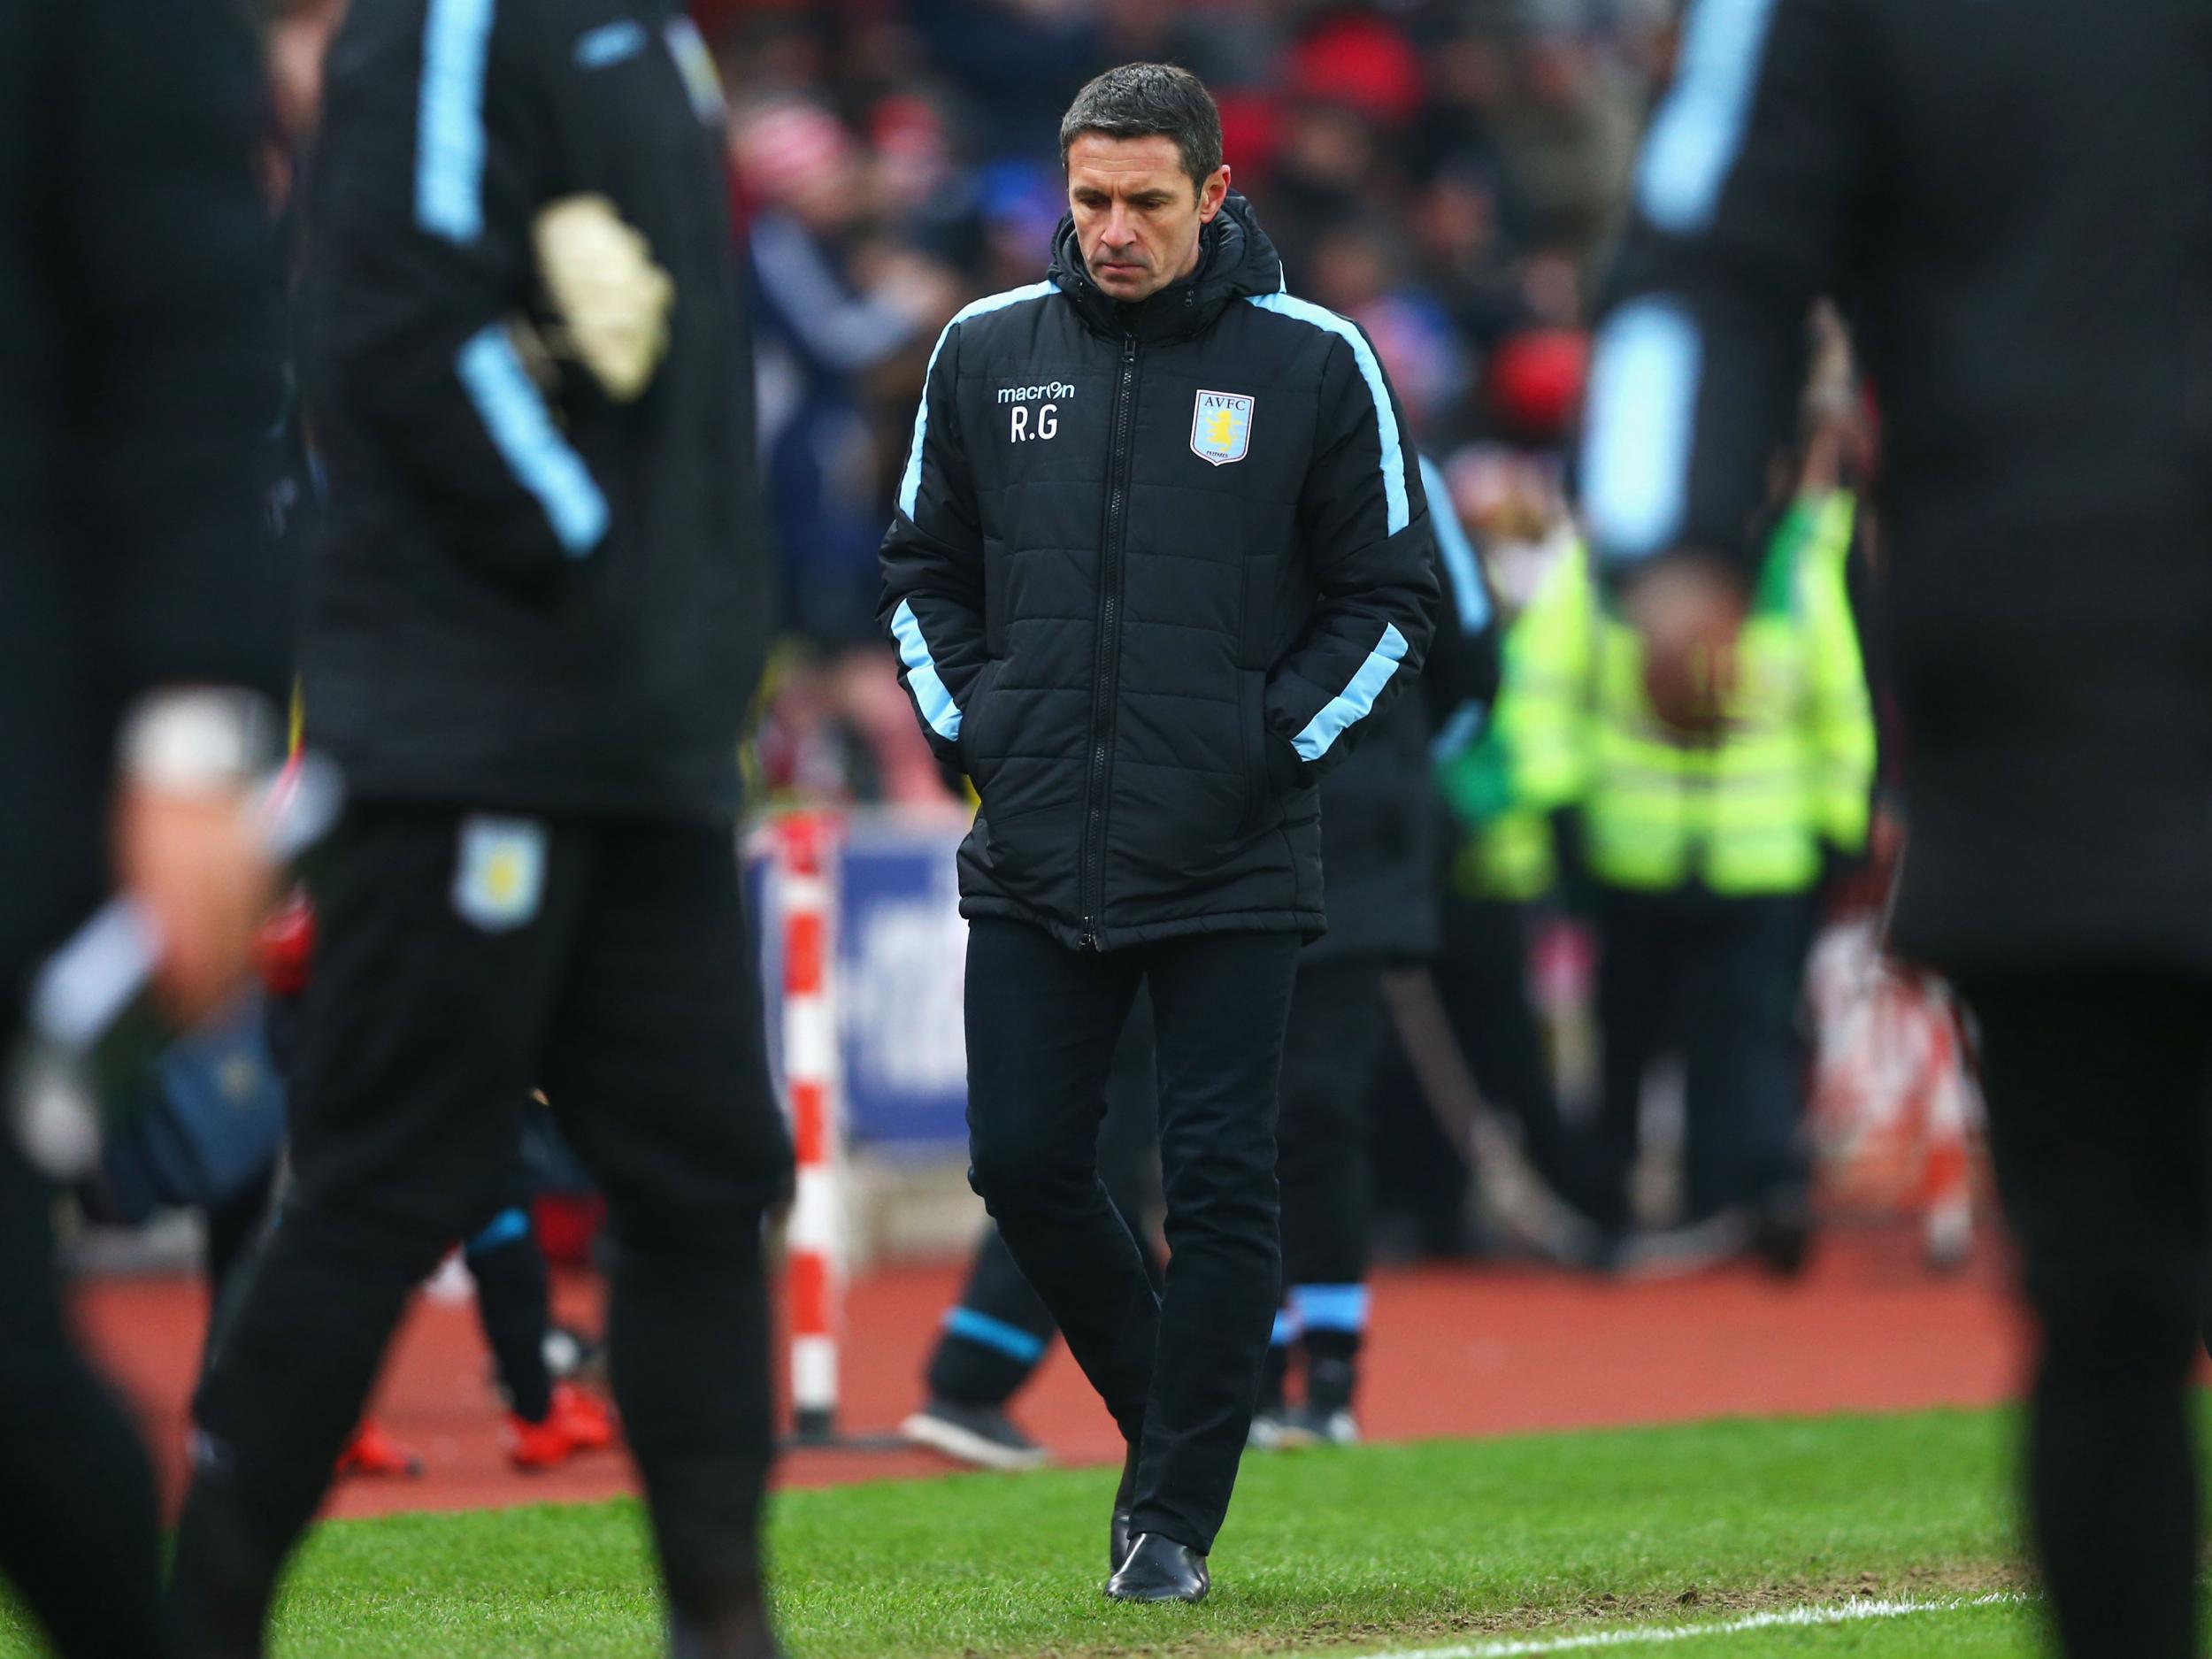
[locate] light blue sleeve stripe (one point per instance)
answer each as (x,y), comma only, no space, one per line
(450,120)
(910,482)
(506,1228)
(610,43)
(1458,733)
(1352,703)
(1330,1307)
(1636,442)
(1010,1339)
(1284,1331)
(1695,137)
(522,430)
(694,62)
(1394,457)
(1469,595)
(938,708)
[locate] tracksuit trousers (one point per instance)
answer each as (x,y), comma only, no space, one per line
(2099,1086)
(997,1334)
(1719,981)
(79,1539)
(462,960)
(1338,1023)
(1180,1369)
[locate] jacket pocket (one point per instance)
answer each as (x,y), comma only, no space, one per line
(982,743)
(1259,802)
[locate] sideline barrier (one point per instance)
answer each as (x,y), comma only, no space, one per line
(815,1241)
(863,949)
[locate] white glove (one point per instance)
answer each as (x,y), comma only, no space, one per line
(612,298)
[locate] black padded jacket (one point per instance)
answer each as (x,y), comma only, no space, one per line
(1154,570)
(526,595)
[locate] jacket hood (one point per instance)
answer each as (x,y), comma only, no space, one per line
(1235,259)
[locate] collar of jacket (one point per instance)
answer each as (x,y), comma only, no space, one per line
(1235,259)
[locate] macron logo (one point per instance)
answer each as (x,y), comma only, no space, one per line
(1023,394)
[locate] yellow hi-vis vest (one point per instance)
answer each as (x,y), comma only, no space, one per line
(1746,811)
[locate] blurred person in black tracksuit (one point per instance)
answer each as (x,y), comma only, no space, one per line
(1381,816)
(2010,205)
(1161,551)
(533,625)
(138,273)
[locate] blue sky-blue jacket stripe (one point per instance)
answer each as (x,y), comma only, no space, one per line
(1357,699)
(1698,132)
(610,44)
(523,431)
(1394,456)
(937,706)
(450,139)
(1636,440)
(1469,595)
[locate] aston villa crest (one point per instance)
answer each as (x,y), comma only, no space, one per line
(1221,427)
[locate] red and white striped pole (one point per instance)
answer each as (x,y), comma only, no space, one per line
(815,1238)
(1948,1178)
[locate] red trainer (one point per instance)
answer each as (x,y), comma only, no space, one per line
(374,1453)
(534,1448)
(585,1419)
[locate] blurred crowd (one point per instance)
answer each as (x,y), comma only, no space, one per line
(1447,174)
(1450,174)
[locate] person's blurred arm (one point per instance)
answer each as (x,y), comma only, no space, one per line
(1544,710)
(1461,676)
(439,133)
(177,273)
(933,564)
(1750,191)
(1839,715)
(1363,517)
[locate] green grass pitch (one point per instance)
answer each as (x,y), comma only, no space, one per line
(1472,1548)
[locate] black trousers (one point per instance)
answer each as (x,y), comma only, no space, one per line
(1482,977)
(1338,1021)
(78,1532)
(2099,1099)
(1719,979)
(462,960)
(513,1295)
(1179,1371)
(998,1333)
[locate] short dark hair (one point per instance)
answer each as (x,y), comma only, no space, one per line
(1145,100)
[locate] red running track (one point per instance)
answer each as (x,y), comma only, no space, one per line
(1453,1352)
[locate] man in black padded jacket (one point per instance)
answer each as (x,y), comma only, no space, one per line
(1162,550)
(531,634)
(2010,202)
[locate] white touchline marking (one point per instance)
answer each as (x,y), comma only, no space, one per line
(1626,1636)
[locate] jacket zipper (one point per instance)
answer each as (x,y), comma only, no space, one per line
(1107,660)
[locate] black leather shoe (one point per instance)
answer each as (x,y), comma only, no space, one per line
(1124,1497)
(1159,1570)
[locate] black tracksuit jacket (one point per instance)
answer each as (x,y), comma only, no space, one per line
(1153,570)
(536,599)
(2011,202)
(139,279)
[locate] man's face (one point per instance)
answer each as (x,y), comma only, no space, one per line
(1137,213)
